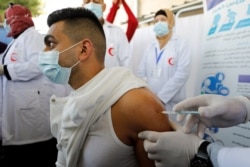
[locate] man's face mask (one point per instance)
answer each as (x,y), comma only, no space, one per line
(95,8)
(48,62)
(161,28)
(6,26)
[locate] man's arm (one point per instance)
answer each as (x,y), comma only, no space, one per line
(136,111)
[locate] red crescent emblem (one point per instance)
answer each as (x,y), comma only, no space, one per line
(171,61)
(110,51)
(13,56)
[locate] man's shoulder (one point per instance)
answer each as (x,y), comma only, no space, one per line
(140,99)
(141,109)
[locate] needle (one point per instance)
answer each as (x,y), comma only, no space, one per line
(180,112)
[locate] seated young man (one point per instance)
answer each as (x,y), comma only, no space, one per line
(97,125)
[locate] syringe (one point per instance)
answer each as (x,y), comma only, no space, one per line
(180,112)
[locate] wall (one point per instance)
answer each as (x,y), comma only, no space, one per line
(149,6)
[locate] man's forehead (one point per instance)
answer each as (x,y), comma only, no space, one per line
(95,1)
(55,33)
(161,16)
(56,28)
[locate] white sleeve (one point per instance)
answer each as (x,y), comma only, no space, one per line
(26,67)
(229,157)
(232,157)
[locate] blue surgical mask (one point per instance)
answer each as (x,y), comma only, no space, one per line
(161,28)
(6,26)
(48,62)
(95,8)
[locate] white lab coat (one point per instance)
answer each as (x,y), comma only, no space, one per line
(174,67)
(118,49)
(24,100)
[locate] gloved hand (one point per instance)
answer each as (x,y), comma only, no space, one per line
(1,69)
(214,111)
(170,149)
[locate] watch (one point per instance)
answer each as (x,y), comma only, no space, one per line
(201,159)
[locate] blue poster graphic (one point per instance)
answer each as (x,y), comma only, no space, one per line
(231,21)
(213,84)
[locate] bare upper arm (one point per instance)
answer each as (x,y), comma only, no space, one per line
(136,111)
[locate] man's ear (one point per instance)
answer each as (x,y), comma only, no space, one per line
(83,49)
(87,49)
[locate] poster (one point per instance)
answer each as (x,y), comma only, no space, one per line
(225,61)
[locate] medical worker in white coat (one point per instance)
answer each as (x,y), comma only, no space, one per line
(24,96)
(178,148)
(118,50)
(166,63)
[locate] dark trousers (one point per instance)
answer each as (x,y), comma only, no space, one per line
(42,154)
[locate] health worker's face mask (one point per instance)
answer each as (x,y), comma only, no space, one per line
(95,8)
(48,62)
(161,28)
(6,26)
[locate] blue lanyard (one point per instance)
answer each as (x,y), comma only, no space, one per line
(158,57)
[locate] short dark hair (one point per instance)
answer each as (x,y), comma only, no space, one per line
(81,23)
(161,12)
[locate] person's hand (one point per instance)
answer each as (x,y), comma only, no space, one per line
(173,148)
(214,111)
(117,2)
